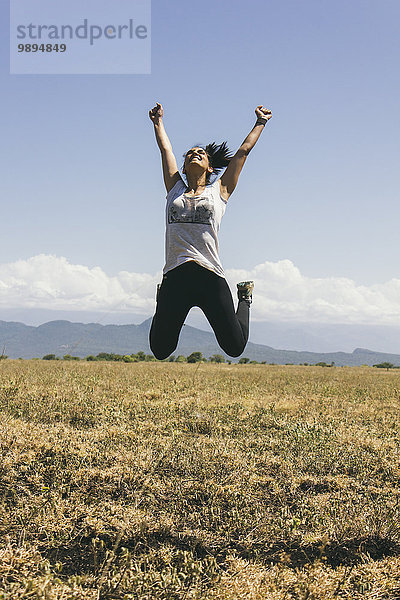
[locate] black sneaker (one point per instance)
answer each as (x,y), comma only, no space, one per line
(245,291)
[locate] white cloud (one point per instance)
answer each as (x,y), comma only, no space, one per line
(52,282)
(281,292)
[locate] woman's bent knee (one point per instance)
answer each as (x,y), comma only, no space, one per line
(159,348)
(234,350)
(161,355)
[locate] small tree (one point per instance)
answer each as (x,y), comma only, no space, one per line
(128,359)
(244,360)
(384,365)
(104,356)
(195,357)
(217,358)
(180,359)
(150,358)
(49,357)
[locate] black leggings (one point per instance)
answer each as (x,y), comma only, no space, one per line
(192,285)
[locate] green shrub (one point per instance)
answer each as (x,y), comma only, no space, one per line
(195,357)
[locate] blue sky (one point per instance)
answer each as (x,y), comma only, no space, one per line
(81,176)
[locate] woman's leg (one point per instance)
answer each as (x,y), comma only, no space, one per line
(231,328)
(173,305)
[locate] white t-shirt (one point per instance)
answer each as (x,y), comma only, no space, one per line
(192,225)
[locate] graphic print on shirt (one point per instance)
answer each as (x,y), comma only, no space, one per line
(191,210)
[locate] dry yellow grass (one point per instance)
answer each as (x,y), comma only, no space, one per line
(174,481)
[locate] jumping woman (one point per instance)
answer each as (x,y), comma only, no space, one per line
(193,274)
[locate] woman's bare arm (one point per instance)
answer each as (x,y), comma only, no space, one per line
(169,166)
(230,177)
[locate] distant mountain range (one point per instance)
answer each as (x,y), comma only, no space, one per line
(326,337)
(18,340)
(293,335)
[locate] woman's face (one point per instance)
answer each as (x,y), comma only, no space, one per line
(197,156)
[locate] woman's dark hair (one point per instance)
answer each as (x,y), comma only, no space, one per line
(219,156)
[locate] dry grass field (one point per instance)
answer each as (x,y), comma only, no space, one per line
(198,481)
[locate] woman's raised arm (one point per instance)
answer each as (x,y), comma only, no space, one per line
(230,177)
(169,166)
